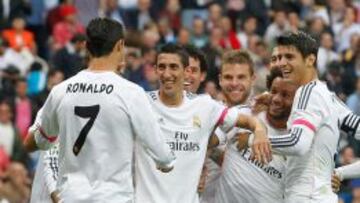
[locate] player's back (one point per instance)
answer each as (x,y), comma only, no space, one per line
(96,137)
(309,175)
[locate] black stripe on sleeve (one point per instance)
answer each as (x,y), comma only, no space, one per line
(350,124)
(287,141)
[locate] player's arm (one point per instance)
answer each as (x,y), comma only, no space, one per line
(309,111)
(148,131)
(260,143)
(51,165)
(44,131)
(349,122)
(349,171)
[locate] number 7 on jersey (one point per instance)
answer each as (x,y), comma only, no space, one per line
(85,112)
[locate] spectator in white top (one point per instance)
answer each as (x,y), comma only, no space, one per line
(326,54)
(344,30)
(278,27)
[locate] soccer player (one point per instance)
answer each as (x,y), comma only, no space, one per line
(246,180)
(313,124)
(187,121)
(236,81)
(95,116)
(195,73)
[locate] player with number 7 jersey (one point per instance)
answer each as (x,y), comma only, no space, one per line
(95,116)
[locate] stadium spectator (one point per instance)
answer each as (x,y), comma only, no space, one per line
(19,38)
(11,138)
(326,53)
(353,101)
(71,58)
(66,29)
(199,38)
(229,39)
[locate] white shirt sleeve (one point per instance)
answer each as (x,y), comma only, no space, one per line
(46,124)
(147,129)
(349,122)
(349,171)
(307,115)
(51,168)
(50,159)
(228,119)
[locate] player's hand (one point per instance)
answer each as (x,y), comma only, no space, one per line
(335,182)
(201,185)
(55,197)
(261,148)
(261,102)
(165,169)
(243,140)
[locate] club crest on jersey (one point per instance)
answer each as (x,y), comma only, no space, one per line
(196,121)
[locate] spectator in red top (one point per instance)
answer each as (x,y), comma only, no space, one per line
(65,30)
(229,40)
(19,38)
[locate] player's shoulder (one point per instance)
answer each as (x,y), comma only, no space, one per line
(312,92)
(244,109)
(315,86)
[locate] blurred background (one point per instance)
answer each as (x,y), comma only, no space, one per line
(42,43)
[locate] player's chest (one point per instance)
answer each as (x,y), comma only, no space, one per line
(185,132)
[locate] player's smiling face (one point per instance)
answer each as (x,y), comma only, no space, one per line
(291,63)
(282,95)
(236,82)
(193,76)
(170,71)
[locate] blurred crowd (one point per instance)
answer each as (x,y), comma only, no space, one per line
(42,42)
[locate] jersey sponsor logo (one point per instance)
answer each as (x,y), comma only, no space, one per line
(182,143)
(267,169)
(89,88)
(196,121)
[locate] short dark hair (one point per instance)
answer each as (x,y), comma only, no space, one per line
(102,35)
(238,57)
(303,42)
(78,38)
(170,48)
(197,54)
(274,73)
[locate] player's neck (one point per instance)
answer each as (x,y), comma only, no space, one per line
(103,64)
(309,76)
(276,123)
(231,104)
(173,100)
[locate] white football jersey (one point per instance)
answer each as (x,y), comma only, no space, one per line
(187,129)
(314,124)
(248,181)
(214,170)
(96,116)
(46,175)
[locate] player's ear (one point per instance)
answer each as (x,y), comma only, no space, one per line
(120,46)
(310,60)
(203,76)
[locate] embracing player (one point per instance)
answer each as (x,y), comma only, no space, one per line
(313,124)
